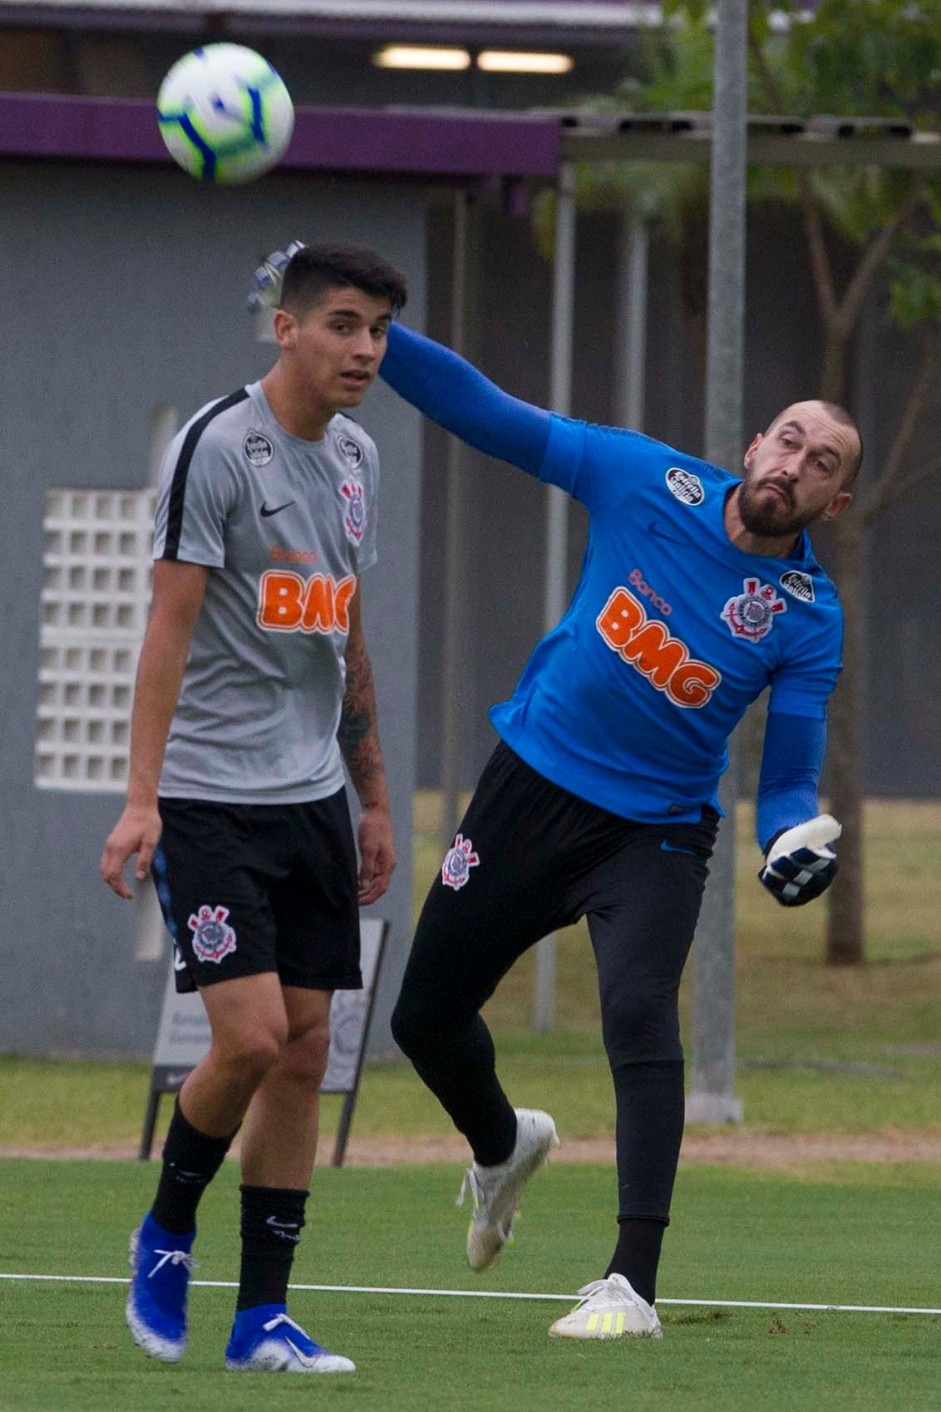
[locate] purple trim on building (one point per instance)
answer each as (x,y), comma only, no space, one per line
(456,144)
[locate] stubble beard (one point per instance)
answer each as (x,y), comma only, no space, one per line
(770,519)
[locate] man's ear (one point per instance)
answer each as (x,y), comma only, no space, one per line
(837,505)
(285,329)
(750,453)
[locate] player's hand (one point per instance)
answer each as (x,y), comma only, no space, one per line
(266,281)
(137,831)
(799,866)
(376,853)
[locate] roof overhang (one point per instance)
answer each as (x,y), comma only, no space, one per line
(821,141)
(539,22)
(463,146)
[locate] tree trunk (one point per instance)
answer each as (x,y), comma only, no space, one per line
(845,928)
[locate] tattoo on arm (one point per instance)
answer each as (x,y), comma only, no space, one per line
(358,733)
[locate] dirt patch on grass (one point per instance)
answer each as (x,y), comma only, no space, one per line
(738,1148)
(733,1147)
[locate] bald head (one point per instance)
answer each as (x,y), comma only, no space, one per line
(841,438)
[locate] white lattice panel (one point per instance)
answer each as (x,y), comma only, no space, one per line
(95,598)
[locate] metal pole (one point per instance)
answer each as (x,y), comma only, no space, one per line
(556,562)
(456,591)
(712,1097)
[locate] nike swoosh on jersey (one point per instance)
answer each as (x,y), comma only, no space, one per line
(268,510)
(659,529)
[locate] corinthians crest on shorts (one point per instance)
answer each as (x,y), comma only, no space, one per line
(212,939)
(750,615)
(460,858)
(354,517)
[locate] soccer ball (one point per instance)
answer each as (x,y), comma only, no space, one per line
(225,114)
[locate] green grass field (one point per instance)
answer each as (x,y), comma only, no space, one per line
(849,1050)
(839,1051)
(737,1236)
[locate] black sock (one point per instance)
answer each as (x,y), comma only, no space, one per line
(272,1218)
(190,1161)
(637,1255)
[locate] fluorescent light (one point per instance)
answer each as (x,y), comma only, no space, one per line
(404,56)
(505,61)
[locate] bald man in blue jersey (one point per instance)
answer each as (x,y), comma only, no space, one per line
(698,590)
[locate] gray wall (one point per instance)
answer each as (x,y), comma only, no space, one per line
(119,290)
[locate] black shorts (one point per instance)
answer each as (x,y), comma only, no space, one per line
(251,888)
(529,858)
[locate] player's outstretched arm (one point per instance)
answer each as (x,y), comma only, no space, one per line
(453,393)
(799,864)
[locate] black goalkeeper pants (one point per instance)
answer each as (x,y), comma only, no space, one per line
(528,859)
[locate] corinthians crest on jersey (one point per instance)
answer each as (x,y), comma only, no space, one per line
(354,513)
(750,615)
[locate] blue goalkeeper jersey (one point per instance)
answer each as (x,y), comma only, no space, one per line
(671,633)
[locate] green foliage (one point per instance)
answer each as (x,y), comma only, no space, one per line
(915,284)
(858,58)
(878,58)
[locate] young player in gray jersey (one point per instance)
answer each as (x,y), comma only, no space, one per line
(254,686)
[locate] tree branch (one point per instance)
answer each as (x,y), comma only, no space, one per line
(876,253)
(892,483)
(902,487)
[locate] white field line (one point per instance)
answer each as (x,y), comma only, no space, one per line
(496,1294)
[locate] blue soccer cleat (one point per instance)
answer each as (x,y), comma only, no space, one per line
(156,1302)
(265,1340)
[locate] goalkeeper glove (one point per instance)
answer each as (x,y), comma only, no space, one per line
(266,290)
(798,865)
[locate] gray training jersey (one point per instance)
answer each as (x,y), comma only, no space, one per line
(286,527)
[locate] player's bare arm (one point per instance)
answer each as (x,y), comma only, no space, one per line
(359,741)
(178,591)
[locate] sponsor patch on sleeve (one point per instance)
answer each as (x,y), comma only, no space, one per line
(798,585)
(685,486)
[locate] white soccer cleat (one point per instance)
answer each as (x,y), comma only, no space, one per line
(496,1191)
(609,1308)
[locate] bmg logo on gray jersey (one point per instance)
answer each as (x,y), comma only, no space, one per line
(685,486)
(258,449)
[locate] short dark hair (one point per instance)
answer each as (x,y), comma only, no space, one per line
(316,268)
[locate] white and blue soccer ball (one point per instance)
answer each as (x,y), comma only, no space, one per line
(225,114)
